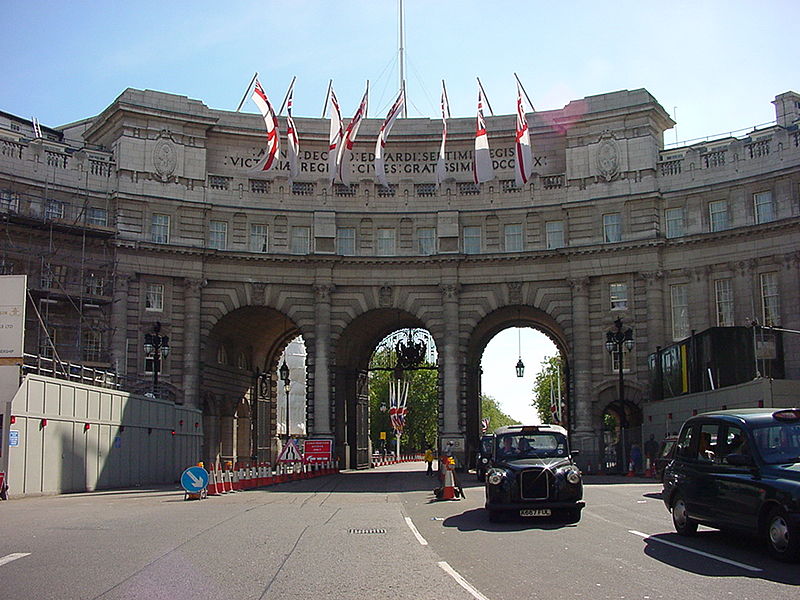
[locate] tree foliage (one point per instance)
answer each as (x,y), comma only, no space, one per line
(490,409)
(423,406)
(545,384)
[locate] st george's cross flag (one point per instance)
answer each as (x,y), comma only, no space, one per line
(522,145)
(335,137)
(346,148)
(441,171)
(271,122)
(481,160)
(391,117)
(293,142)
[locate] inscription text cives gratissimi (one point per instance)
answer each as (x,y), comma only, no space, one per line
(397,163)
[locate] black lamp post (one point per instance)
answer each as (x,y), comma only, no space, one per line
(618,339)
(283,372)
(156,346)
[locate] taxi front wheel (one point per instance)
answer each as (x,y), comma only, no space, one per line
(783,538)
(684,524)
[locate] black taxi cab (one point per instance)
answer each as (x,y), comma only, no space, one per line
(532,473)
(739,470)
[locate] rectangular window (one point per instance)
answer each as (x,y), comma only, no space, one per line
(513,237)
(346,241)
(718,215)
(472,240)
(94,285)
(764,209)
(301,240)
(427,240)
(154,297)
(55,209)
(97,217)
(723,296)
(770,306)
(259,237)
(675,222)
(218,235)
(612,228)
(46,344)
(92,345)
(386,242)
(679,298)
(159,229)
(554,234)
(618,293)
(626,361)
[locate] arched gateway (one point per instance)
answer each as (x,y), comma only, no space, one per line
(233,263)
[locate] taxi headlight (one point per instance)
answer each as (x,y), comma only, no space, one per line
(496,476)
(573,475)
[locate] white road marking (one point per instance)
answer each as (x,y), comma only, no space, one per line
(416,532)
(700,552)
(10,557)
(461,581)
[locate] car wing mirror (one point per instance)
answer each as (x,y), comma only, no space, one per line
(740,460)
(575,453)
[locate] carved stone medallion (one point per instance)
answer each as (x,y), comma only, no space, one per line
(165,158)
(608,157)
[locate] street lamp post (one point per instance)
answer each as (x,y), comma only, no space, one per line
(618,339)
(156,346)
(287,386)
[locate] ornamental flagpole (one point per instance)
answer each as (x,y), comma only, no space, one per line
(524,91)
(485,97)
(247,91)
(327,96)
(286,97)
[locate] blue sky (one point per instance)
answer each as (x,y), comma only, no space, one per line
(714,65)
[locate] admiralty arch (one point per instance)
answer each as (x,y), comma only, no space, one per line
(150,216)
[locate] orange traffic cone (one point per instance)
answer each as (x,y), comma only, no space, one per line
(448,485)
(630,469)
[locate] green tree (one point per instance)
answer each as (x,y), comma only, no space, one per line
(423,405)
(490,409)
(545,387)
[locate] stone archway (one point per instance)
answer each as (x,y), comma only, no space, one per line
(615,444)
(502,318)
(241,346)
(353,352)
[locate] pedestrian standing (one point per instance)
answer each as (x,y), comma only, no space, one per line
(429,461)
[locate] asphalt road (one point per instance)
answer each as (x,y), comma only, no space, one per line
(371,534)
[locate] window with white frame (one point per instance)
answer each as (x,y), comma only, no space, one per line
(159,229)
(554,234)
(154,297)
(46,343)
(94,285)
(513,237)
(763,206)
(679,303)
(92,345)
(385,242)
(426,237)
(259,237)
(218,235)
(55,209)
(626,360)
(97,217)
(770,305)
(300,240)
(618,293)
(472,239)
(612,228)
(346,241)
(723,298)
(718,215)
(674,218)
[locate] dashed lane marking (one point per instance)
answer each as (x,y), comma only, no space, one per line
(700,552)
(416,532)
(11,557)
(461,581)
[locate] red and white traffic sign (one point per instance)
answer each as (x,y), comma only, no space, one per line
(318,450)
(291,453)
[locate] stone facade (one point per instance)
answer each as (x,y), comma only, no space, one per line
(157,198)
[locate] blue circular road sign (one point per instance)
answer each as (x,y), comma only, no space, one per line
(194,479)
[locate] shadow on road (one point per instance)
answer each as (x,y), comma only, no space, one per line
(727,546)
(477,519)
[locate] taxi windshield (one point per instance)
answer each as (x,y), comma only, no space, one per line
(513,446)
(778,443)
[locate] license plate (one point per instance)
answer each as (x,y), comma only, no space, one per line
(538,512)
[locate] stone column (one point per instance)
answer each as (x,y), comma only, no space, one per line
(451,408)
(322,377)
(191,341)
(582,431)
(227,434)
(789,286)
(119,324)
(654,282)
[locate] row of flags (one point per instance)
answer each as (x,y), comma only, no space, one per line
(341,140)
(398,404)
